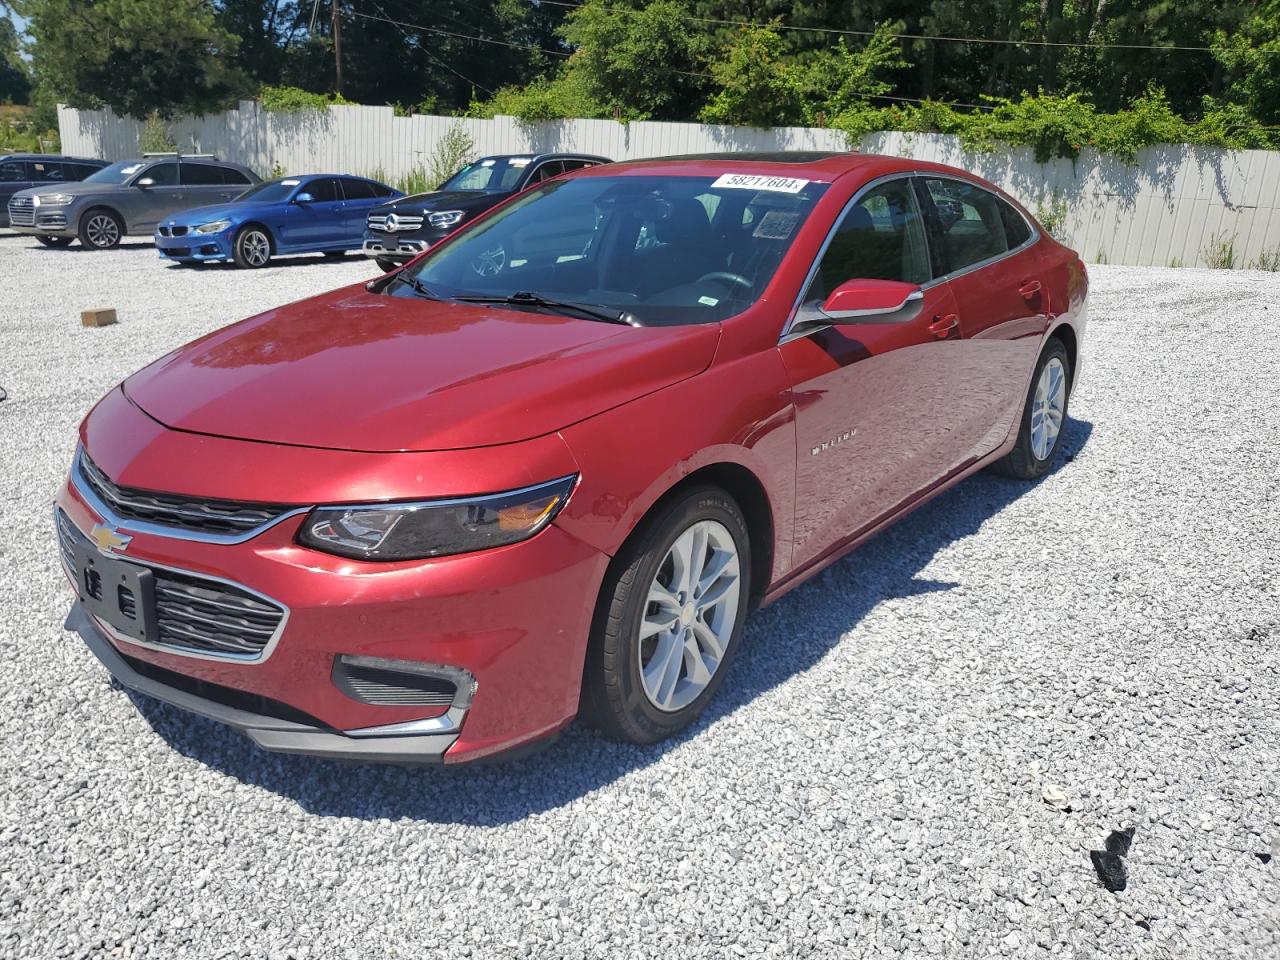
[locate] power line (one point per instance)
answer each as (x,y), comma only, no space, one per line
(461,36)
(433,58)
(925,36)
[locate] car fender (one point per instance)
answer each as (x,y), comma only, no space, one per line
(633,455)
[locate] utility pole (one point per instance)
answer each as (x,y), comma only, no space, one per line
(337,47)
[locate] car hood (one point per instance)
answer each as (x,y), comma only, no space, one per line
(217,211)
(352,370)
(439,200)
(75,188)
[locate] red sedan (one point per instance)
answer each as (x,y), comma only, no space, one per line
(548,468)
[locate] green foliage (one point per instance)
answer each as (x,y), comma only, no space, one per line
(15,78)
(1220,252)
(451,153)
(838,81)
(135,56)
(155,137)
(296,100)
(563,98)
(757,87)
(1267,260)
(1053,217)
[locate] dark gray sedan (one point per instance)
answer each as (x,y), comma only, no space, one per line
(130,197)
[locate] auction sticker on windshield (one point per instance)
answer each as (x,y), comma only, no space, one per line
(752,181)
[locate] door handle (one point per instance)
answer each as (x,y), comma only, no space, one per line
(942,326)
(1029,289)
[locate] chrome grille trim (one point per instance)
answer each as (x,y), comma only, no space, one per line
(22,212)
(103,503)
(179,595)
(378,221)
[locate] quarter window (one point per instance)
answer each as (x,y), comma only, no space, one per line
(968,222)
(881,237)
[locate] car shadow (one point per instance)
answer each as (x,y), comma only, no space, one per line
(580,760)
(276,263)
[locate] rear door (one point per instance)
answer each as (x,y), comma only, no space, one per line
(359,197)
(987,251)
(875,403)
(203,184)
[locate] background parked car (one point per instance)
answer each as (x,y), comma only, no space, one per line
(400,231)
(22,171)
(130,197)
(317,213)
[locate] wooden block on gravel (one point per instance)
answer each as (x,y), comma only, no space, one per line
(98,318)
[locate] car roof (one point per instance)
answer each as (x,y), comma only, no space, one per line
(52,156)
(536,157)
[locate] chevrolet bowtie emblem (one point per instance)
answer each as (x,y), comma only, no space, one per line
(108,539)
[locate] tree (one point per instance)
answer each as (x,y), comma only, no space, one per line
(135,56)
(756,86)
(15,84)
(1252,59)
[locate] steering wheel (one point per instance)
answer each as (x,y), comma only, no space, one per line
(490,262)
(727,277)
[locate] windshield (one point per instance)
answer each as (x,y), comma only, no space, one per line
(491,174)
(116,173)
(668,250)
(270,191)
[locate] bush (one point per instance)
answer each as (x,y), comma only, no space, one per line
(452,152)
(296,100)
(155,136)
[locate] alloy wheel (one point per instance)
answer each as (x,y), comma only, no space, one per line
(102,230)
(689,615)
(1047,409)
(256,248)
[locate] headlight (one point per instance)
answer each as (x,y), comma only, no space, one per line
(216,226)
(435,528)
(445,218)
(51,199)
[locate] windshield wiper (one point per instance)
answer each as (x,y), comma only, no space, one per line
(414,284)
(524,298)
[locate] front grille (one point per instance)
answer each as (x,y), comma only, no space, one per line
(179,231)
(378,221)
(22,212)
(193,613)
(189,513)
(390,687)
(176,251)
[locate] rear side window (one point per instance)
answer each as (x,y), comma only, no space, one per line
(1015,227)
(233,176)
(381,189)
(200,175)
(358,189)
(968,222)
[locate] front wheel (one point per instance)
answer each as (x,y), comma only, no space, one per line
(669,618)
(1043,417)
(101,230)
(386,265)
(55,241)
(252,248)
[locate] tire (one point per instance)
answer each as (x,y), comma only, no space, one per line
(1034,452)
(55,241)
(626,693)
(386,265)
(100,229)
(252,247)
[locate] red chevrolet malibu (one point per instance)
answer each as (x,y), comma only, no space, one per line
(548,468)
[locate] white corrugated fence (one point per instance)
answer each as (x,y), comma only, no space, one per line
(1169,208)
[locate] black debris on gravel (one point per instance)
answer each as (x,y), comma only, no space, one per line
(1109,863)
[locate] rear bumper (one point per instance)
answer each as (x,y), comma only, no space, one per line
(274,733)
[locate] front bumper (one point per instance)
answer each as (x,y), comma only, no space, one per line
(393,248)
(194,247)
(273,733)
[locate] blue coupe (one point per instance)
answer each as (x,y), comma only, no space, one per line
(319,213)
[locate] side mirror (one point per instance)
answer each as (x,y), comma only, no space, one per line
(144,182)
(304,197)
(873,301)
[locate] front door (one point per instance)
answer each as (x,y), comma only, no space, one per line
(309,226)
(875,403)
(145,206)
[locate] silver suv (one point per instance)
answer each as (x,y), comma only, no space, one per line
(130,197)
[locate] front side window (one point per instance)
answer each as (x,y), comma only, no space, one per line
(161,175)
(967,222)
(324,190)
(491,174)
(14,171)
(880,237)
(47,171)
(545,171)
(668,250)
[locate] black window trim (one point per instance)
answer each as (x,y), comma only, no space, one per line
(788,329)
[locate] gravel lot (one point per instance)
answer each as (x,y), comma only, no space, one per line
(869,783)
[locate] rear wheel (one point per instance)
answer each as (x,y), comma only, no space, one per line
(252,248)
(1043,417)
(669,619)
(101,229)
(55,241)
